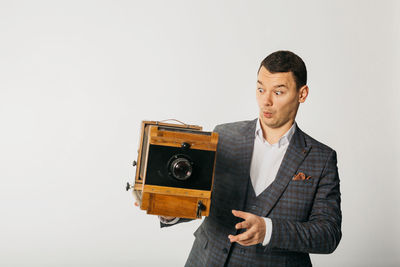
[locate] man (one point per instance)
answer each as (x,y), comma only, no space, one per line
(276,195)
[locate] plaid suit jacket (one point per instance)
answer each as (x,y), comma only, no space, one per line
(305,214)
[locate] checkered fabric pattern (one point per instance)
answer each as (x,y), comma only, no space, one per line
(306,214)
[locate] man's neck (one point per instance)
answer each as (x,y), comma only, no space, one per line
(272,135)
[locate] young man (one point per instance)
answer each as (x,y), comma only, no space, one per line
(276,195)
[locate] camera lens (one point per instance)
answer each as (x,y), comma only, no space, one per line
(181,168)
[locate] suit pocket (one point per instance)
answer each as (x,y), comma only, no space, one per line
(301,185)
(296,201)
(201,238)
(199,254)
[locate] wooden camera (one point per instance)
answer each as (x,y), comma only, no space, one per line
(175,169)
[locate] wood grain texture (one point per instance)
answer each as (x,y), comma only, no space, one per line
(175,139)
(175,206)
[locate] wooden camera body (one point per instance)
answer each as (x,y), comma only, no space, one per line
(175,169)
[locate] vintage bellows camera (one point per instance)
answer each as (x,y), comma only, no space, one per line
(175,169)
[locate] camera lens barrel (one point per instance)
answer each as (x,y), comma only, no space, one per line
(180,167)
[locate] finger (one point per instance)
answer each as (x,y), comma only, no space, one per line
(241,214)
(247,242)
(243,225)
(247,236)
(233,238)
(240,237)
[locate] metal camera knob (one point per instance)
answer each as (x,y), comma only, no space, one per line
(185,145)
(128,186)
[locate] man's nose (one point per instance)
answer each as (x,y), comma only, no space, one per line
(267,100)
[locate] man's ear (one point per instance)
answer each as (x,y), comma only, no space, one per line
(303,93)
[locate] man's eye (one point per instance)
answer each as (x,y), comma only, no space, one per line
(260,90)
(278,92)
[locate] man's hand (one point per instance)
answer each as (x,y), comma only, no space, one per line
(168,218)
(255,226)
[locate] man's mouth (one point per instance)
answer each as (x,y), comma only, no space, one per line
(267,114)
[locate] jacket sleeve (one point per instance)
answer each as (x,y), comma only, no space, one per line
(322,232)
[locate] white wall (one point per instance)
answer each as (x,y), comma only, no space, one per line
(77,78)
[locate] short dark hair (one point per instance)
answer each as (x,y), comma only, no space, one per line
(286,61)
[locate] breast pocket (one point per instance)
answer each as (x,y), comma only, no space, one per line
(296,201)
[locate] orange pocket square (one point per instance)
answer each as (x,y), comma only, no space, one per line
(300,177)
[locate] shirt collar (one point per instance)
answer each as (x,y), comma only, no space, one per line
(285,139)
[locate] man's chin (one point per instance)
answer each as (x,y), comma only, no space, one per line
(273,124)
(270,123)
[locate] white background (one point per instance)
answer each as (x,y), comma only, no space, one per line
(78,77)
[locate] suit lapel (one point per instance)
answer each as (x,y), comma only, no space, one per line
(248,145)
(294,156)
(245,161)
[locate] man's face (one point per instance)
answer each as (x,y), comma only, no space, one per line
(278,98)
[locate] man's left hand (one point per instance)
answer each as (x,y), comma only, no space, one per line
(255,226)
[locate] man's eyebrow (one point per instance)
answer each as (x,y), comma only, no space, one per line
(276,86)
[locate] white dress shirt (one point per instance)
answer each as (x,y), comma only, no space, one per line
(265,163)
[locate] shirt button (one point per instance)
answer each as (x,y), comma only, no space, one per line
(225,250)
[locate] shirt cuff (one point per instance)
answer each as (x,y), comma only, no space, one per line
(268,231)
(164,221)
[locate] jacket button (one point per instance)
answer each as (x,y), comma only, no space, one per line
(225,251)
